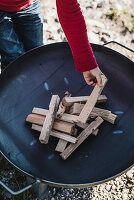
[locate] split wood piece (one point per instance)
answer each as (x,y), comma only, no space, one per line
(85,113)
(85,126)
(105,114)
(63,106)
(111,118)
(49,120)
(65,117)
(69,118)
(40,111)
(77,108)
(83,135)
(57,134)
(61,145)
(58,125)
(82,99)
(99,112)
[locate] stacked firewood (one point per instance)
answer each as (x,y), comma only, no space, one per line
(63,117)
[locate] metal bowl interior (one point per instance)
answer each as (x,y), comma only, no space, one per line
(30,82)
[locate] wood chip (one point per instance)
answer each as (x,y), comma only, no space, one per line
(85,113)
(83,135)
(95,132)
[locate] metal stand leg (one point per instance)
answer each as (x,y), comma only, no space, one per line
(40,190)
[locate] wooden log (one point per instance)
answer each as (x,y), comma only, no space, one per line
(77,108)
(95,132)
(65,117)
(58,125)
(105,114)
(111,118)
(61,145)
(37,127)
(49,120)
(102,99)
(40,111)
(108,117)
(63,106)
(56,134)
(83,135)
(64,136)
(85,113)
(35,119)
(99,112)
(69,118)
(83,99)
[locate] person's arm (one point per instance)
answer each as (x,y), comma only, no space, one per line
(73,24)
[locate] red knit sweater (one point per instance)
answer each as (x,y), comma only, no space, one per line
(73,24)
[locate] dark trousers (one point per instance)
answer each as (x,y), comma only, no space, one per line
(19,32)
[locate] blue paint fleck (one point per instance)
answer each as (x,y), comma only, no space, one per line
(117,132)
(33,142)
(119,112)
(66,81)
(46,86)
(51,156)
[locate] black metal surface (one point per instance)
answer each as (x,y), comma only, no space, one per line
(31,80)
(119,45)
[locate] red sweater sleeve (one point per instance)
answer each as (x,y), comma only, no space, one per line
(73,24)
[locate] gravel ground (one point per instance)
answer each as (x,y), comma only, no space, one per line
(100,29)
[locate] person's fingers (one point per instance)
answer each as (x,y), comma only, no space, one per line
(99,80)
(93,84)
(93,77)
(89,82)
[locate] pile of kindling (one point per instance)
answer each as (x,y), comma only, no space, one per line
(63,119)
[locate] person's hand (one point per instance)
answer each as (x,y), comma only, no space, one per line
(93,77)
